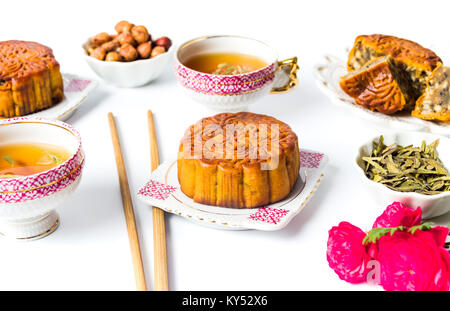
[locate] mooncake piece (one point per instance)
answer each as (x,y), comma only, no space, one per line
(380,86)
(417,61)
(258,163)
(30,79)
(434,104)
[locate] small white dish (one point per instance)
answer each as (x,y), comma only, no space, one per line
(27,203)
(327,77)
(130,74)
(76,90)
(432,205)
(163,191)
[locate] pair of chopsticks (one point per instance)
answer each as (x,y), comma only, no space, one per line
(161,280)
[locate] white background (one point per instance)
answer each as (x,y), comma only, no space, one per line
(90,250)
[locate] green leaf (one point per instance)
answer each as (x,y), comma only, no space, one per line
(9,159)
(424,226)
(54,158)
(376,233)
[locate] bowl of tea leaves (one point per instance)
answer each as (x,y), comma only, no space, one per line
(408,167)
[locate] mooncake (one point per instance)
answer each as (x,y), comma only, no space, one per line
(379,85)
(30,79)
(416,60)
(238,160)
(434,104)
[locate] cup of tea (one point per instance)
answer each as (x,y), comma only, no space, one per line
(228,73)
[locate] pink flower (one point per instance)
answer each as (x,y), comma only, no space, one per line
(346,254)
(396,215)
(414,261)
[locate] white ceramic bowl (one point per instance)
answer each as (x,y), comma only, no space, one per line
(432,205)
(129,74)
(222,93)
(27,203)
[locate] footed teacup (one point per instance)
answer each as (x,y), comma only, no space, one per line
(230,90)
(28,202)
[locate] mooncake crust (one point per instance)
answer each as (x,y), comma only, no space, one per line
(417,60)
(30,78)
(379,86)
(238,180)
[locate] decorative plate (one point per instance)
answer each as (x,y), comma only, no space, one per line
(76,90)
(327,78)
(163,191)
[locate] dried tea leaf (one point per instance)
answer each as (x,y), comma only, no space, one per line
(408,168)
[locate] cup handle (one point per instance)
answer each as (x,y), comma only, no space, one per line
(289,68)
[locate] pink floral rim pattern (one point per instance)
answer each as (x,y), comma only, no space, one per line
(77,85)
(157,190)
(269,214)
(21,189)
(224,85)
(310,159)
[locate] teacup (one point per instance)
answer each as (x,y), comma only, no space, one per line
(27,203)
(234,92)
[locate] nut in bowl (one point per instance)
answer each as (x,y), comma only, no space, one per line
(228,73)
(41,165)
(129,58)
(407,167)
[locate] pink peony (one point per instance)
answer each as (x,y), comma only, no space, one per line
(396,215)
(346,254)
(414,261)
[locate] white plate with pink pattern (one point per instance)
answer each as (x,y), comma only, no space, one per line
(76,90)
(163,191)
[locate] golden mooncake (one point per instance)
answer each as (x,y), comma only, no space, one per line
(380,86)
(30,79)
(434,104)
(416,60)
(238,160)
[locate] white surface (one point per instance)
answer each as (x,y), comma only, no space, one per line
(90,249)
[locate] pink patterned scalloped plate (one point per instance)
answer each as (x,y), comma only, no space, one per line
(76,90)
(163,191)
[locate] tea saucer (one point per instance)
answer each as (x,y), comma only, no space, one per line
(76,90)
(163,191)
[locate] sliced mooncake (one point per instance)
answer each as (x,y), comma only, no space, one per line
(410,56)
(379,85)
(434,104)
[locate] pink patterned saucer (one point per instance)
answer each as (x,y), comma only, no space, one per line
(27,203)
(163,191)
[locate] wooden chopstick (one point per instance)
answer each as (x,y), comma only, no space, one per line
(159,228)
(128,208)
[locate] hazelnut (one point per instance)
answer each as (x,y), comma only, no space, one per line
(140,34)
(90,50)
(157,50)
(100,38)
(99,53)
(113,57)
(144,49)
(165,42)
(126,38)
(111,45)
(128,52)
(123,26)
